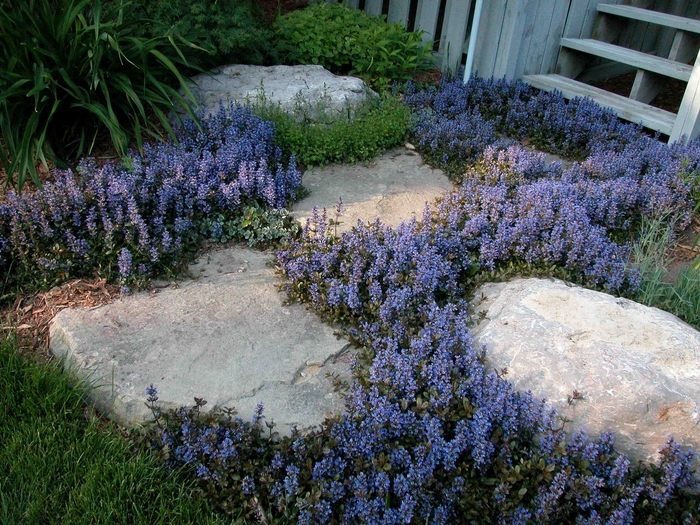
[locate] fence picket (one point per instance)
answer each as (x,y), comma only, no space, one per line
(398,12)
(452,46)
(427,18)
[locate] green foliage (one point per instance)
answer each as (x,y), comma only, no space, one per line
(254,224)
(349,41)
(680,296)
(380,124)
(70,69)
(60,464)
(233,31)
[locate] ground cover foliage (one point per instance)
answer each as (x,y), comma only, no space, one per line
(379,123)
(429,434)
(143,216)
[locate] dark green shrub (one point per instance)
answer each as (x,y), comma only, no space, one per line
(70,69)
(349,41)
(381,124)
(233,31)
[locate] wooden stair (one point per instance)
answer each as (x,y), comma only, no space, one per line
(682,63)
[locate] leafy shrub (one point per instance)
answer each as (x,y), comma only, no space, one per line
(349,41)
(232,31)
(382,123)
(70,69)
(138,218)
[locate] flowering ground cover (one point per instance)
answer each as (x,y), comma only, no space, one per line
(140,217)
(429,435)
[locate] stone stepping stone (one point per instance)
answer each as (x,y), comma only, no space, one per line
(395,186)
(305,91)
(604,362)
(225,337)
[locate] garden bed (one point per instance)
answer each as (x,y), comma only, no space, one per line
(429,435)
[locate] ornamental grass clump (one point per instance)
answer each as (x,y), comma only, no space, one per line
(73,70)
(133,219)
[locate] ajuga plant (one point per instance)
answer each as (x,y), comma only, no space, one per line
(430,435)
(72,69)
(455,121)
(138,217)
(349,41)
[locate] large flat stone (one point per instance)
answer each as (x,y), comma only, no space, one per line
(307,91)
(394,186)
(225,337)
(636,369)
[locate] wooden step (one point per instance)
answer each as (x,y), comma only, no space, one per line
(644,15)
(648,116)
(662,66)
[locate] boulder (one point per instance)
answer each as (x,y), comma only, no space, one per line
(226,337)
(304,91)
(603,362)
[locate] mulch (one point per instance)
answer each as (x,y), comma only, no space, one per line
(31,315)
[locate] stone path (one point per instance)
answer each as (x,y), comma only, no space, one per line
(394,186)
(226,336)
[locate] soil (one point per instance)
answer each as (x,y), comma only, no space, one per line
(686,252)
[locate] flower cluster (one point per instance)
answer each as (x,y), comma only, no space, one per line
(456,121)
(136,217)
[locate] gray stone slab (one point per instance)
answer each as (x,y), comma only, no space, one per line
(307,91)
(225,337)
(636,369)
(394,186)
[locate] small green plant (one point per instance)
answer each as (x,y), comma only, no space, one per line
(254,224)
(70,69)
(650,255)
(381,123)
(233,31)
(349,41)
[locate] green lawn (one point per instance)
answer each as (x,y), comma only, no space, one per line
(61,465)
